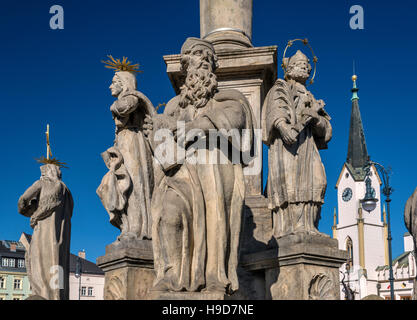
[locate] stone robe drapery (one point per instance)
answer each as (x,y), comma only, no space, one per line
(129,204)
(410,219)
(49,204)
(296,173)
(210,198)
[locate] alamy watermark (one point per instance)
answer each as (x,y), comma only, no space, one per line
(57,279)
(357,20)
(236,146)
(57,20)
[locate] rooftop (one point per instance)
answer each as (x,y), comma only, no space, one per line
(402,261)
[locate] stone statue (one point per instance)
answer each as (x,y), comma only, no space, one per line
(49,204)
(197,208)
(410,219)
(295,126)
(126,189)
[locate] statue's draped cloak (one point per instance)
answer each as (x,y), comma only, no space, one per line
(213,196)
(50,244)
(296,173)
(130,193)
(410,214)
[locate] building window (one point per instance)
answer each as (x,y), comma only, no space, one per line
(2,282)
(17,285)
(21,263)
(4,262)
(405,298)
(90,291)
(349,249)
(83,291)
(8,262)
(12,263)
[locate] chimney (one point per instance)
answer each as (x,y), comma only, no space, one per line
(13,247)
(81,254)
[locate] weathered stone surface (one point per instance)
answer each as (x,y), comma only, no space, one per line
(257,228)
(49,204)
(226,23)
(128,267)
(410,219)
(295,126)
(252,71)
(301,267)
(33,297)
(125,190)
(197,207)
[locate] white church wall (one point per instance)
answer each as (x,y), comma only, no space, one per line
(408,243)
(374,249)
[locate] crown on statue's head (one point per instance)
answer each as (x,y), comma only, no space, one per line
(123,65)
(299,56)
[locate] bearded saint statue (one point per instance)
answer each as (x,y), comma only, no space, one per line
(295,126)
(49,204)
(126,189)
(197,206)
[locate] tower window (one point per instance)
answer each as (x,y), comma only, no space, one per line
(349,249)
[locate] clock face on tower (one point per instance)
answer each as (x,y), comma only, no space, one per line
(347,194)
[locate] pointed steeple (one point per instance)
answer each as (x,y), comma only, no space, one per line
(357,155)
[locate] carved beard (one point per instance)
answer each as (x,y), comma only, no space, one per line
(199,87)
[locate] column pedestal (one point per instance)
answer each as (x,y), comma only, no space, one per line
(129,270)
(301,267)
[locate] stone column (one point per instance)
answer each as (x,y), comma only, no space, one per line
(226,23)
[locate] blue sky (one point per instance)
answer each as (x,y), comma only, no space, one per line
(55,76)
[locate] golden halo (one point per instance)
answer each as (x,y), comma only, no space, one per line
(315,59)
(124,65)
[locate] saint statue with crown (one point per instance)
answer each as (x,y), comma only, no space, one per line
(295,126)
(49,204)
(126,189)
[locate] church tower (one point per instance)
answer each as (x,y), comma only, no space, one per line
(359,232)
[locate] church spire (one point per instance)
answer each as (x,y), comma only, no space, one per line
(357,153)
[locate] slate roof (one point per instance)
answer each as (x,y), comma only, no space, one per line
(402,260)
(87,267)
(18,254)
(357,155)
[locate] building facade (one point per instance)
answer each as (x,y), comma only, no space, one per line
(364,234)
(14,283)
(404,269)
(87,284)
